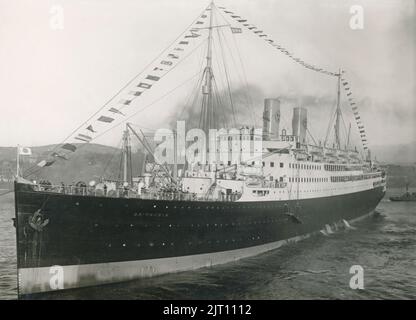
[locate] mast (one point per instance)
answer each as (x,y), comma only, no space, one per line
(126,156)
(208,117)
(338,113)
(348,139)
(17,163)
(175,156)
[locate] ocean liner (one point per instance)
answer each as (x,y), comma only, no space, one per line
(186,215)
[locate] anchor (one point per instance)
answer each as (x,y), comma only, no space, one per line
(37,221)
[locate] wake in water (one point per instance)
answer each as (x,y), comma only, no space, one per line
(347,225)
(331,229)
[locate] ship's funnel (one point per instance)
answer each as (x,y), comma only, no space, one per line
(271,119)
(300,123)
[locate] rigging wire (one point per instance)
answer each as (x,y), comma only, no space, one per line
(246,91)
(344,127)
(310,134)
(174,67)
(129,117)
(329,129)
(193,93)
(243,79)
(218,95)
(227,77)
(130,81)
(220,104)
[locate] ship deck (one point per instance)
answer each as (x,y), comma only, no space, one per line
(127,193)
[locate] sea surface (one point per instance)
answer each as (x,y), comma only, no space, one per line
(315,268)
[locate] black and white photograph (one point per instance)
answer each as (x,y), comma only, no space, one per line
(208,150)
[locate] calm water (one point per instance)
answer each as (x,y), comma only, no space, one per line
(316,268)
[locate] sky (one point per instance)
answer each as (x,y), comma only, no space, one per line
(55,75)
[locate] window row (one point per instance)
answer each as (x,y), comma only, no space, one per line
(308,179)
(304,166)
(354,178)
(335,167)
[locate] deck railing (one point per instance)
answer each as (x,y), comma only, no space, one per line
(132,193)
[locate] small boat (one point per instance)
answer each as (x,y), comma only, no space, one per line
(407,196)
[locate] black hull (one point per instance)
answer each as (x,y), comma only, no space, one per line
(84,230)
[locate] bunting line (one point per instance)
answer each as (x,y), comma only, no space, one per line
(162,64)
(266,38)
(347,88)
